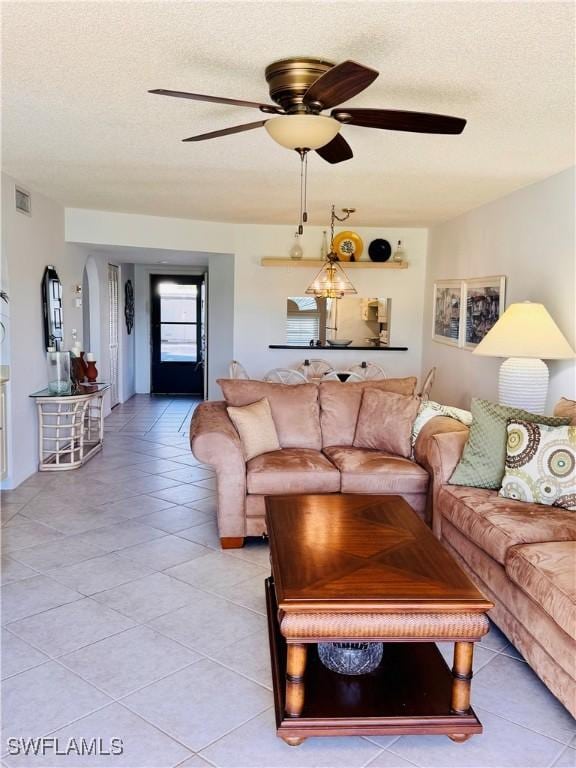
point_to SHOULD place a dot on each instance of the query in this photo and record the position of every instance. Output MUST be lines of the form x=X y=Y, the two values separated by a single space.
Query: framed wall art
x=447 y=312
x=483 y=304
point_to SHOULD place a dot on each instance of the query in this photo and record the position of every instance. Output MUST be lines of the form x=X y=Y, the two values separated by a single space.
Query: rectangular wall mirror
x=361 y=320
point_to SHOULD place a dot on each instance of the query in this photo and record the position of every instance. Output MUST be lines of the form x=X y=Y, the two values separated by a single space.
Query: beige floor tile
x=18 y=656
x=13 y=570
x=199 y=704
x=255 y=745
x=27 y=534
x=143 y=745
x=209 y=483
x=148 y=598
x=502 y=745
x=216 y=571
x=249 y=657
x=125 y=534
x=69 y=627
x=208 y=623
x=175 y=518
x=67 y=551
x=388 y=759
x=189 y=474
x=100 y=573
x=151 y=483
x=183 y=494
x=71 y=521
x=209 y=505
x=251 y=594
x=155 y=466
x=30 y=596
x=125 y=662
x=523 y=699
x=164 y=553
x=567 y=759
x=256 y=551
x=45 y=698
x=9 y=510
x=206 y=534
x=136 y=506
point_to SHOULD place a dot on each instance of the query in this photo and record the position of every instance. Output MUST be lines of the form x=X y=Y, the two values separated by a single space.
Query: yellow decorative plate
x=348 y=246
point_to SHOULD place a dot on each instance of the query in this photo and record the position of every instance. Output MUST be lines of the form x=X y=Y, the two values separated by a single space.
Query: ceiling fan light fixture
x=302 y=131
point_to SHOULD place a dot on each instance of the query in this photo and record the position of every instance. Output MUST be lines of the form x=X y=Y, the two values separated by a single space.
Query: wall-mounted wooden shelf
x=268 y=262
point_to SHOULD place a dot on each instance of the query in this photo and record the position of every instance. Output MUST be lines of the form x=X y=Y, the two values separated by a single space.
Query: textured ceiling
x=79 y=125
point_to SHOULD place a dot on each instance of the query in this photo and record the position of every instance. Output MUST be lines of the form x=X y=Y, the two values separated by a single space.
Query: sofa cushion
x=369 y=471
x=294 y=407
x=495 y=524
x=385 y=422
x=566 y=408
x=545 y=571
x=292 y=470
x=340 y=405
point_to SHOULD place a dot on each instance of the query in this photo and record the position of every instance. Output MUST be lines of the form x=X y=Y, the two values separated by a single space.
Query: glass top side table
x=71 y=426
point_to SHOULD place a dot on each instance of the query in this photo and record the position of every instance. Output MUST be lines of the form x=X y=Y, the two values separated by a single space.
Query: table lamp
x=525 y=334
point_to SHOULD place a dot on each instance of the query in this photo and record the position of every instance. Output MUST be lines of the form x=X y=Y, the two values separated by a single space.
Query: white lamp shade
x=302 y=131
x=525 y=330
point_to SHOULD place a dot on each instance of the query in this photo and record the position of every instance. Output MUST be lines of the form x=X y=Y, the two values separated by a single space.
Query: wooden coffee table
x=366 y=568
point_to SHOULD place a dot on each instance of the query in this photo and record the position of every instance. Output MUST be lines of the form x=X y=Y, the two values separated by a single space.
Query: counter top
x=328 y=348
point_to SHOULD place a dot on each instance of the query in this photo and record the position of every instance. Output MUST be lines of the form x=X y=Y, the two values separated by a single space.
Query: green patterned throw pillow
x=482 y=463
x=540 y=464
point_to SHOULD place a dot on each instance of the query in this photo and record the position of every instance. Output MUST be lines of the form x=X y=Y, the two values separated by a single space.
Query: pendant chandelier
x=332 y=282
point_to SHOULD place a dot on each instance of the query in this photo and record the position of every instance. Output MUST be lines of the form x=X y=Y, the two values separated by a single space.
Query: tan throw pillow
x=255 y=425
x=385 y=422
x=340 y=405
x=567 y=408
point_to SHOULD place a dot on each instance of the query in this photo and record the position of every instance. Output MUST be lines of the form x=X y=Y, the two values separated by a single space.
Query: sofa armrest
x=438 y=449
x=214 y=440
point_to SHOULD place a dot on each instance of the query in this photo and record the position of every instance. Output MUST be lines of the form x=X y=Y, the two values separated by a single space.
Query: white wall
x=127 y=340
x=29 y=244
x=529 y=237
x=260 y=293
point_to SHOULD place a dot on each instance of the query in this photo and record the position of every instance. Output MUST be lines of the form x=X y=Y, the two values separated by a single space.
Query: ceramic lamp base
x=523 y=383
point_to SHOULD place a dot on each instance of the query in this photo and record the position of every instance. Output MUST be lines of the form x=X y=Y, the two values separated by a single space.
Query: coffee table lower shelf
x=409 y=693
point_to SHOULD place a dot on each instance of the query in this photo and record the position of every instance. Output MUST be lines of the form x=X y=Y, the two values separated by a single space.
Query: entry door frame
x=114 y=332
x=198 y=279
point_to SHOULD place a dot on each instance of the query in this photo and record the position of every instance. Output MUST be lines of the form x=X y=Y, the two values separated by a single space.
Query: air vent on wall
x=23 y=201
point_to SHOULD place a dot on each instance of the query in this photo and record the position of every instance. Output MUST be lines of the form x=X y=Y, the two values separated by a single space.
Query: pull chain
x=305 y=214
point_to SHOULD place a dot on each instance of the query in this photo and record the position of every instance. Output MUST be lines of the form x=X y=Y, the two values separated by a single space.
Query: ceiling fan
x=302 y=88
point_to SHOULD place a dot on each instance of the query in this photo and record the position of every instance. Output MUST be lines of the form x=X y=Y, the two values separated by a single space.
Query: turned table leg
x=462 y=675
x=295 y=668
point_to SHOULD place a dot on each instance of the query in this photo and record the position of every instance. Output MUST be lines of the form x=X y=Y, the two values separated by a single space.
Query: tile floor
x=122 y=618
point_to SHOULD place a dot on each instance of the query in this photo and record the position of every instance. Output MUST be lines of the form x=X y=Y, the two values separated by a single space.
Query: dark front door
x=177 y=334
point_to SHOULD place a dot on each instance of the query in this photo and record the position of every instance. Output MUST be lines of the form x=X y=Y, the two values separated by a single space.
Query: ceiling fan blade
x=226 y=131
x=400 y=120
x=339 y=84
x=270 y=108
x=336 y=151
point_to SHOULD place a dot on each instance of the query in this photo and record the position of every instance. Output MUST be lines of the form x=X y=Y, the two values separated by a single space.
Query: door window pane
x=177 y=302
x=178 y=343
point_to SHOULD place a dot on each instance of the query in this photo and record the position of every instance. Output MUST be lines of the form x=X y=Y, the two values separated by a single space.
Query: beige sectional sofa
x=521 y=555
x=316 y=424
